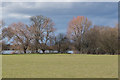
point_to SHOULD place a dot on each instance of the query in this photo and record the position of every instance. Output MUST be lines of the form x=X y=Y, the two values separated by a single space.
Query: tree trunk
x=24 y=51
x=43 y=51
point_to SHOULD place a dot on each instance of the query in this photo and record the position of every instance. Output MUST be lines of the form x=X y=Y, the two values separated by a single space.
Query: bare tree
x=42 y=29
x=109 y=39
x=101 y=40
x=77 y=29
x=92 y=40
x=20 y=35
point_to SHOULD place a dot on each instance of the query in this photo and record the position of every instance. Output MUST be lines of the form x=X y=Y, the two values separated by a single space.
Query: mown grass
x=60 y=66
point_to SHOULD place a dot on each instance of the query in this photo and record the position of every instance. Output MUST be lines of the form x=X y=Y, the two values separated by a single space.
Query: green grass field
x=60 y=66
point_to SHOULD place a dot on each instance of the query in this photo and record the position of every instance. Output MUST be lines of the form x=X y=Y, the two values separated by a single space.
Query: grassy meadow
x=59 y=66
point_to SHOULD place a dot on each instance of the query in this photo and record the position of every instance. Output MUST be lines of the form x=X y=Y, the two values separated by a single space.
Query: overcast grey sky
x=100 y=13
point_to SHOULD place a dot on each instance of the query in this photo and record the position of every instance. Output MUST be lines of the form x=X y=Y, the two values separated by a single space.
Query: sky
x=100 y=13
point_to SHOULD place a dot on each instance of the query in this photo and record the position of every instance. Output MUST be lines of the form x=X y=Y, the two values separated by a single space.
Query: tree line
x=82 y=37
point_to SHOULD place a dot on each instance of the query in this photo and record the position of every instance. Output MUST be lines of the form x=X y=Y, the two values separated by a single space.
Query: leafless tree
x=42 y=29
x=77 y=29
x=20 y=35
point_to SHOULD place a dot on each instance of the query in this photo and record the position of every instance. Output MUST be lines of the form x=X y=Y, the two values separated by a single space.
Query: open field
x=60 y=66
